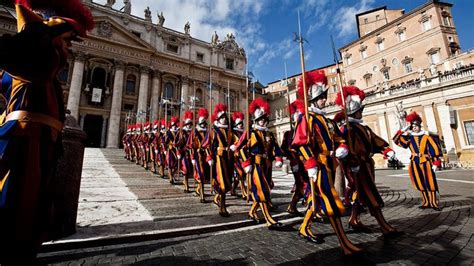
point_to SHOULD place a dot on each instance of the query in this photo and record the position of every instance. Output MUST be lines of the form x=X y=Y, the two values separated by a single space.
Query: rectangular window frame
x=169 y=47
x=469 y=141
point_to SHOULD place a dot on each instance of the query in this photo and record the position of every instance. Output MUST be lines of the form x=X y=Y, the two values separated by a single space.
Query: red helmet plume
x=203 y=114
x=237 y=117
x=316 y=84
x=353 y=97
x=258 y=108
x=414 y=118
x=174 y=121
x=188 y=117
x=220 y=110
x=297 y=105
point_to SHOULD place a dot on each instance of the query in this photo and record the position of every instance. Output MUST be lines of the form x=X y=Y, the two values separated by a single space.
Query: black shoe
x=393 y=233
x=224 y=214
x=436 y=209
x=202 y=200
x=360 y=228
x=275 y=226
x=256 y=220
x=423 y=207
x=315 y=239
x=295 y=213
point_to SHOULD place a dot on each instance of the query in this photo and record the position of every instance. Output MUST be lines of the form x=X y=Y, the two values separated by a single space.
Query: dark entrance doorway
x=93 y=128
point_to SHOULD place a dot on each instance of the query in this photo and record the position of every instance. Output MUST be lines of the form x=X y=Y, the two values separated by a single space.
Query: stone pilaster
x=116 y=108
x=104 y=130
x=445 y=121
x=155 y=95
x=74 y=97
x=143 y=94
x=430 y=123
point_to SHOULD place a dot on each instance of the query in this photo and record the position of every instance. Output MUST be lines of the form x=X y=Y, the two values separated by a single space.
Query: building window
x=366 y=20
x=200 y=98
x=168 y=93
x=386 y=75
x=434 y=58
x=426 y=25
x=229 y=63
x=130 y=84
x=402 y=36
x=469 y=128
x=128 y=107
x=377 y=17
x=349 y=59
x=408 y=68
x=334 y=88
x=172 y=48
x=446 y=21
x=136 y=33
x=363 y=54
x=380 y=46
x=200 y=57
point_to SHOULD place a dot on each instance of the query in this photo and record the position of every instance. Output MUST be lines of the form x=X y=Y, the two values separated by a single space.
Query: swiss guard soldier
x=160 y=149
x=133 y=147
x=126 y=142
x=222 y=156
x=31 y=124
x=423 y=163
x=363 y=144
x=319 y=142
x=146 y=144
x=184 y=152
x=201 y=158
x=239 y=155
x=172 y=138
x=301 y=189
x=263 y=150
x=153 y=146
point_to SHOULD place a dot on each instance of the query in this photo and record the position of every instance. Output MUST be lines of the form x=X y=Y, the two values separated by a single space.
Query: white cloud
x=344 y=20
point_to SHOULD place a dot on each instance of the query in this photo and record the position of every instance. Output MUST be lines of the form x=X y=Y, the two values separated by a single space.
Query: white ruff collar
x=239 y=129
x=219 y=125
x=199 y=128
x=354 y=120
x=422 y=132
x=315 y=109
x=174 y=130
x=260 y=128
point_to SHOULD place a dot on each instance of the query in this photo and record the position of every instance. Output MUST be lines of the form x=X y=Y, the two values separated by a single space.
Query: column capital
x=120 y=64
x=144 y=69
x=185 y=80
x=156 y=73
x=79 y=55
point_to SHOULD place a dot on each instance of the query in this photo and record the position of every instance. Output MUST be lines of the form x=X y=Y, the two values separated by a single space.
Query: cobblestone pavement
x=430 y=237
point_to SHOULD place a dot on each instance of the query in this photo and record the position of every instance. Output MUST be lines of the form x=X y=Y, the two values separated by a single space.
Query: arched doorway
x=93 y=129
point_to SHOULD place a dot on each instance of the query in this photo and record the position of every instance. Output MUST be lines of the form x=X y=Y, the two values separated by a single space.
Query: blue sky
x=265 y=27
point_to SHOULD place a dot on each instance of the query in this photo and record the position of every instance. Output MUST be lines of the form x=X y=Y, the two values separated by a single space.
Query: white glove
x=165 y=153
x=210 y=162
x=248 y=169
x=355 y=169
x=278 y=164
x=342 y=152
x=233 y=147
x=193 y=162
x=179 y=156
x=435 y=168
x=295 y=168
x=405 y=129
x=313 y=173
x=391 y=155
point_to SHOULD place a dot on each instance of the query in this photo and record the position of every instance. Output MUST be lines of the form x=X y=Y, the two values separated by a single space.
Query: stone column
x=184 y=92
x=430 y=123
x=74 y=97
x=116 y=108
x=155 y=95
x=83 y=117
x=143 y=94
x=445 y=121
x=383 y=128
x=104 y=129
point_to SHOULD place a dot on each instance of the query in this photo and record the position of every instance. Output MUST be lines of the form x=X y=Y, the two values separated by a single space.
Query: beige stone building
x=131 y=70
x=409 y=62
